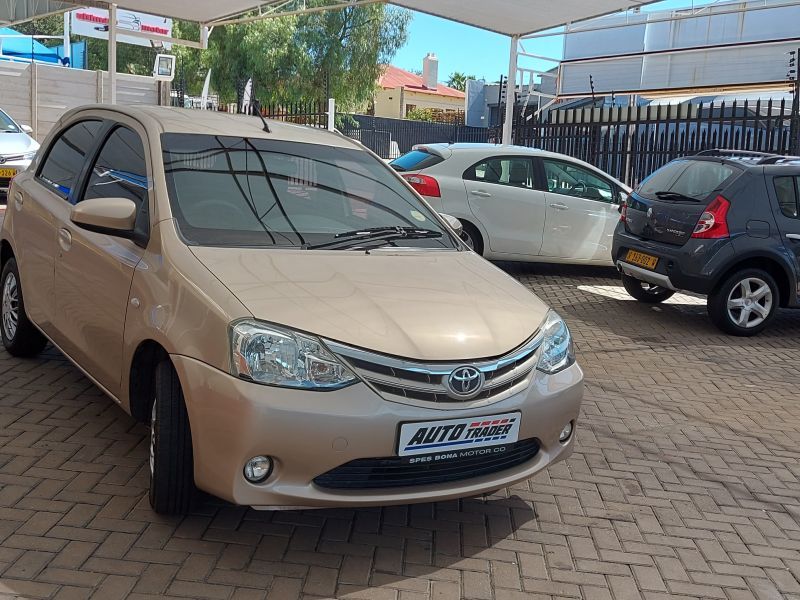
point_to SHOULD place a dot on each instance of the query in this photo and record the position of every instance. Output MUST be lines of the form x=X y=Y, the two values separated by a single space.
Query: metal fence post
x=331 y=114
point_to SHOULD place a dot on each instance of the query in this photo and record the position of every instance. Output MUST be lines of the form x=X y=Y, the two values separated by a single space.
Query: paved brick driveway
x=684 y=484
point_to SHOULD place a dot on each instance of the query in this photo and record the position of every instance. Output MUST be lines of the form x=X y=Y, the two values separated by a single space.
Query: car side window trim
x=78 y=181
x=469 y=172
x=143 y=212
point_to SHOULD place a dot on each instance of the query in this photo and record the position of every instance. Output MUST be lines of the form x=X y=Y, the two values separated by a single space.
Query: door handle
x=481 y=194
x=64 y=239
x=559 y=206
x=793 y=236
x=19 y=200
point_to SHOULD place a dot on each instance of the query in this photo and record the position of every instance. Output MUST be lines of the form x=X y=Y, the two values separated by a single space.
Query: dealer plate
x=474 y=432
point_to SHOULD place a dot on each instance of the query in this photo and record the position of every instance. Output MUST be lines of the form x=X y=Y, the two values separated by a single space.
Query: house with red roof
x=400 y=91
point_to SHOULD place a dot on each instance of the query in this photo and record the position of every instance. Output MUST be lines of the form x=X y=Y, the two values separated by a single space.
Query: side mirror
x=454 y=223
x=113 y=216
x=27 y=129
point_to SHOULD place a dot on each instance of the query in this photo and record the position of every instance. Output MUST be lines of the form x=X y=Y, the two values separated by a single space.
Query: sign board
x=164 y=67
x=93 y=22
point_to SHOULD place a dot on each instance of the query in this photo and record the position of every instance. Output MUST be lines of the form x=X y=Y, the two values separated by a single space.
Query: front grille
x=377 y=473
x=403 y=379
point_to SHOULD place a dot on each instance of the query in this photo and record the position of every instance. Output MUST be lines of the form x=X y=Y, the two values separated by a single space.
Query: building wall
x=394 y=103
x=388 y=103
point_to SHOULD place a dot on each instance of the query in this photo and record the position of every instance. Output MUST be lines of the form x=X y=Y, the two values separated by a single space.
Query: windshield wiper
x=675 y=196
x=349 y=239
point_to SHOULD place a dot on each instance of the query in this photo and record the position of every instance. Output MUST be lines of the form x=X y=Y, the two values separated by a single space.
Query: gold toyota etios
x=297 y=325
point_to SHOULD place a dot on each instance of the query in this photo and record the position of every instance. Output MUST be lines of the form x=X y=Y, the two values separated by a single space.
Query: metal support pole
x=511 y=88
x=67 y=44
x=112 y=52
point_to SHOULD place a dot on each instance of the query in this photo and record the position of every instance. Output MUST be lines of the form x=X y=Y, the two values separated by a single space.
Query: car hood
x=424 y=305
x=17 y=143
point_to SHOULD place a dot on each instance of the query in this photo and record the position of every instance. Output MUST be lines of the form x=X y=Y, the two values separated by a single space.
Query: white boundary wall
x=38 y=94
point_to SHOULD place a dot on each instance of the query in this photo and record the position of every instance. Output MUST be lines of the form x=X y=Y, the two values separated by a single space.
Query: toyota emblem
x=2 y=160
x=465 y=383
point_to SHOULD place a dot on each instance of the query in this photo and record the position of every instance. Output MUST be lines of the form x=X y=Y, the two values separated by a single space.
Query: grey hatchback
x=721 y=223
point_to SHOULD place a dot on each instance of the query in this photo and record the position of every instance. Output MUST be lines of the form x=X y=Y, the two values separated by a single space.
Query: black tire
x=756 y=315
x=645 y=292
x=472 y=237
x=20 y=336
x=171 y=460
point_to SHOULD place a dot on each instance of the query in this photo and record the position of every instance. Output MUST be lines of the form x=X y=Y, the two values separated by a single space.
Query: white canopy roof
x=508 y=17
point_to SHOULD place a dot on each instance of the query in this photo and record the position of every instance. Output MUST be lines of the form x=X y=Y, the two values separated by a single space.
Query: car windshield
x=7 y=124
x=255 y=192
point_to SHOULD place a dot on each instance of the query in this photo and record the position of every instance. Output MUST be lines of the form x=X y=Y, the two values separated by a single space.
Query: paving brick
x=683 y=483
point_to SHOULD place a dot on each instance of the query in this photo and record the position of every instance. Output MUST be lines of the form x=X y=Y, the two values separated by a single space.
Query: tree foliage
x=459 y=80
x=336 y=54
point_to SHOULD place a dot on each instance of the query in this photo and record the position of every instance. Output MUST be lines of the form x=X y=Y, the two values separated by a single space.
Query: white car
x=520 y=203
x=17 y=149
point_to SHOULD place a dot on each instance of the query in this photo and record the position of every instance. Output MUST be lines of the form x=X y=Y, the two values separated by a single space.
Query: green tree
x=337 y=53
x=459 y=80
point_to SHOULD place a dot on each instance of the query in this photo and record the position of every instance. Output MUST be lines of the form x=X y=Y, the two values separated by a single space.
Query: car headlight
x=273 y=355
x=29 y=155
x=557 y=351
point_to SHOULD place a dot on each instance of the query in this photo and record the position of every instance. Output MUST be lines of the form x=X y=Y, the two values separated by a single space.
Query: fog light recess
x=566 y=433
x=258 y=469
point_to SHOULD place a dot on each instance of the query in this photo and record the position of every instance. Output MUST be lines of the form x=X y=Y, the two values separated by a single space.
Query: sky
x=481 y=53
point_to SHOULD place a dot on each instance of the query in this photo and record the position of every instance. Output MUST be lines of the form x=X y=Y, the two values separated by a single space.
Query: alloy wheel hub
x=10 y=307
x=750 y=302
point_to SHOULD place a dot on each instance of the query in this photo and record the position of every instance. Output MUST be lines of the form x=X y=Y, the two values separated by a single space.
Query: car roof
x=210 y=122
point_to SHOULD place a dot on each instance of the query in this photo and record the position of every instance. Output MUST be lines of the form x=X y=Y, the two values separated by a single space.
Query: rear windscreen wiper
x=675 y=196
x=375 y=234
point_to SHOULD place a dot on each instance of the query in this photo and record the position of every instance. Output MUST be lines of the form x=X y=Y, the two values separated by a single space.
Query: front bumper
x=310 y=433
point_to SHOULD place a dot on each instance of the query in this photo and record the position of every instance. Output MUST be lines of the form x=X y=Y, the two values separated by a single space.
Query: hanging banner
x=93 y=22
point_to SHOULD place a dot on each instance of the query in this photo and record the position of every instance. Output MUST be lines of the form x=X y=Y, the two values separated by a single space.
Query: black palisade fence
x=631 y=142
x=313 y=114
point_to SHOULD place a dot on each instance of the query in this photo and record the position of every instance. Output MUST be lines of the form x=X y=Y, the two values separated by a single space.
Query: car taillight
x=713 y=223
x=425 y=185
x=623 y=212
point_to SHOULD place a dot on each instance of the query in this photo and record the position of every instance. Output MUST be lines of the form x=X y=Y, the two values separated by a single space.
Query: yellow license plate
x=641 y=259
x=8 y=173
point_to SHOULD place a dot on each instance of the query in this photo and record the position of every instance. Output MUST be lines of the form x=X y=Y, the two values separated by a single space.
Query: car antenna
x=257 y=107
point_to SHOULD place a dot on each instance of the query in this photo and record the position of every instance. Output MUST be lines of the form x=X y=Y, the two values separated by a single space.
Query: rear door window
x=416 y=160
x=515 y=171
x=786 y=190
x=65 y=159
x=696 y=179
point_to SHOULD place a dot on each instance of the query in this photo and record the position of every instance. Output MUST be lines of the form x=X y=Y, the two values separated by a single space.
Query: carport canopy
x=514 y=18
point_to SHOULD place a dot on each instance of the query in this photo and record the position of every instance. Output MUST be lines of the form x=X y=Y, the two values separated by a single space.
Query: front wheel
x=171 y=459
x=745 y=303
x=645 y=292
